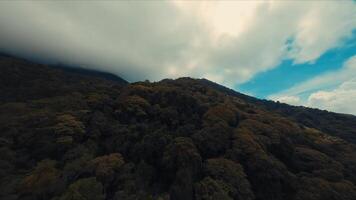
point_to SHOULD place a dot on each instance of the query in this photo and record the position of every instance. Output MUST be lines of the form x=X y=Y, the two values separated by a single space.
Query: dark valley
x=74 y=134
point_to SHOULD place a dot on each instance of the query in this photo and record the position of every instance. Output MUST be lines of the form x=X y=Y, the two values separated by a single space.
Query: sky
x=297 y=52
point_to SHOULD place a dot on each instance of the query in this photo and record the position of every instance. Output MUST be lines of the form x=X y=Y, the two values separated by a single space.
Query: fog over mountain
x=228 y=42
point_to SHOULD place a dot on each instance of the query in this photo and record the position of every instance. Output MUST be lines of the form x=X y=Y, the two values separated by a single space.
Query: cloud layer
x=334 y=91
x=228 y=42
x=341 y=99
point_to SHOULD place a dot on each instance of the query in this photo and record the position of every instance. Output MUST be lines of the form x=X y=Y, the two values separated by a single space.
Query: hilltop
x=68 y=134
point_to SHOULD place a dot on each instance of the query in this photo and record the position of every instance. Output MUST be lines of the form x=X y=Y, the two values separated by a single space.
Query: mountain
x=335 y=124
x=69 y=134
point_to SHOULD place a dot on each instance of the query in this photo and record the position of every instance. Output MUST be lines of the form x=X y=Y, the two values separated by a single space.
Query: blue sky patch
x=288 y=74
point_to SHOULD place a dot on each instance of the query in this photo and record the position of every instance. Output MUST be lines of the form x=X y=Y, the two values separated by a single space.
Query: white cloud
x=228 y=41
x=339 y=99
x=292 y=100
x=321 y=28
x=327 y=80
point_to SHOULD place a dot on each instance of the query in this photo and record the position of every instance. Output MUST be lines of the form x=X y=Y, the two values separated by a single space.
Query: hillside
x=74 y=135
x=335 y=124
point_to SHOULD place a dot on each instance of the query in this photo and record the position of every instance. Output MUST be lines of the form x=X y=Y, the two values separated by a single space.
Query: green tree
x=84 y=189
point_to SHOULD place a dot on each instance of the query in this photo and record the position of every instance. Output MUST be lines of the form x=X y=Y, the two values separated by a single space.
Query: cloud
x=292 y=100
x=321 y=28
x=327 y=80
x=137 y=39
x=227 y=41
x=340 y=98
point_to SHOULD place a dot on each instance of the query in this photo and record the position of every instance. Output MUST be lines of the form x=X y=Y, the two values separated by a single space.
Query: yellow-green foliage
x=310 y=160
x=68 y=125
x=180 y=139
x=95 y=98
x=285 y=126
x=41 y=179
x=209 y=189
x=105 y=166
x=182 y=154
x=84 y=189
x=221 y=113
x=317 y=188
x=135 y=105
x=71 y=101
x=140 y=89
x=245 y=142
x=133 y=101
x=230 y=176
x=320 y=137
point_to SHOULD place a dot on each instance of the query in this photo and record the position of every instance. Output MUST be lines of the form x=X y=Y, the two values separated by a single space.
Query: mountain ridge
x=70 y=136
x=301 y=114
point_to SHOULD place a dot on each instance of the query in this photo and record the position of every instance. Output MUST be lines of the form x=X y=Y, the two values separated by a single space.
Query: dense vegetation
x=335 y=124
x=69 y=136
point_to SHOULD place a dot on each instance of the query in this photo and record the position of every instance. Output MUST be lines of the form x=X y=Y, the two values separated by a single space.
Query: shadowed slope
x=69 y=136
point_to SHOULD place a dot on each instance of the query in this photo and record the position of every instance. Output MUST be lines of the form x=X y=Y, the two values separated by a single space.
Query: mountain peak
x=72 y=133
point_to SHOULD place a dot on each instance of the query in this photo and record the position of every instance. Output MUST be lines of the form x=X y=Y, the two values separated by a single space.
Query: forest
x=70 y=135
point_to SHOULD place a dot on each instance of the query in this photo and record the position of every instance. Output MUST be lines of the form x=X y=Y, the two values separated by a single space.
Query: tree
x=105 y=166
x=230 y=176
x=84 y=189
x=43 y=181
